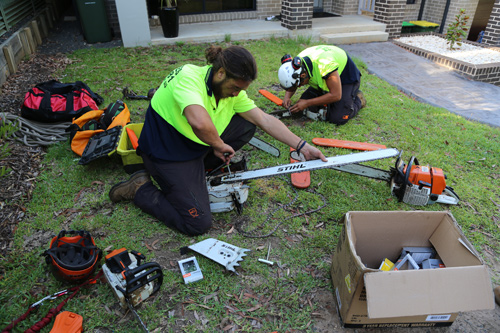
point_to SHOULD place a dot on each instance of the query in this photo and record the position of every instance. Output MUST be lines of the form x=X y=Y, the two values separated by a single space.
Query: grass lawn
x=261 y=298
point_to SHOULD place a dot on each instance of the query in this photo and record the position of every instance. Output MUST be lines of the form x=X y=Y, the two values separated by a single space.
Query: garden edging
x=24 y=42
x=488 y=73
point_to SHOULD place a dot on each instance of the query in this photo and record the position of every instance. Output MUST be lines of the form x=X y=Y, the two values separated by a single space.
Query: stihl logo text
x=295 y=166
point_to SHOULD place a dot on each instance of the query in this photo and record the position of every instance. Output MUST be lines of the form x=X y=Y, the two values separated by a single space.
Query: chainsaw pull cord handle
x=52 y=312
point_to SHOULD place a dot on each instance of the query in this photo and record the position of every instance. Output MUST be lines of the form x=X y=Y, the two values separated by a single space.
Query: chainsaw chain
x=251 y=234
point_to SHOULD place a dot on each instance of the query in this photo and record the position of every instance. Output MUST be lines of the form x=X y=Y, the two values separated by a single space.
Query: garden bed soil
x=488 y=73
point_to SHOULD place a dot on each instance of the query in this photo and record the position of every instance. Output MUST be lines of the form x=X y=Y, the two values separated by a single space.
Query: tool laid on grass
x=413 y=184
x=347 y=144
x=266 y=261
x=221 y=252
x=264 y=146
x=131 y=281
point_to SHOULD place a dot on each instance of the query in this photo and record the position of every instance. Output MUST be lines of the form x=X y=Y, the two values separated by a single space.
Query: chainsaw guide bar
x=333 y=161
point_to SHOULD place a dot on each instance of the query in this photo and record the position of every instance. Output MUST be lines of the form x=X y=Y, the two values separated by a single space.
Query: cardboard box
x=368 y=297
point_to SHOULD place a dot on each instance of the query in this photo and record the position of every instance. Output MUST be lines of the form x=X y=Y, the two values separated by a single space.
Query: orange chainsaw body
x=424 y=176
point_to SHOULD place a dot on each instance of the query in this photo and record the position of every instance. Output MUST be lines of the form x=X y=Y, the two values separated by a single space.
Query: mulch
x=16 y=187
x=24 y=162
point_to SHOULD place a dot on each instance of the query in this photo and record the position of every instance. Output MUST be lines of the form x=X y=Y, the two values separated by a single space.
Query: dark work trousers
x=182 y=200
x=339 y=112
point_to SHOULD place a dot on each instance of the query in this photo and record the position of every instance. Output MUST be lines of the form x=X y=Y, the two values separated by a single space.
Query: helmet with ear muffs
x=289 y=72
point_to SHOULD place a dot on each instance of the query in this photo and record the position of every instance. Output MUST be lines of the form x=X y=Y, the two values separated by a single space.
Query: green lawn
x=260 y=298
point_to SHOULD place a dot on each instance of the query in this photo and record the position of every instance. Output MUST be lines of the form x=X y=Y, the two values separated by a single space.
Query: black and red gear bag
x=53 y=101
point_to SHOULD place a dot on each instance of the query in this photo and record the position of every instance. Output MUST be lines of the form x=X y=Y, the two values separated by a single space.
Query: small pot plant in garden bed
x=475 y=61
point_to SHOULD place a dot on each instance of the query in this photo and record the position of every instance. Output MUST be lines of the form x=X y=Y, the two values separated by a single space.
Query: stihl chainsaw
x=413 y=184
x=131 y=281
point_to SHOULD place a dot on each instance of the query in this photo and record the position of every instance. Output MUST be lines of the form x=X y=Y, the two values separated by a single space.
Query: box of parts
x=368 y=297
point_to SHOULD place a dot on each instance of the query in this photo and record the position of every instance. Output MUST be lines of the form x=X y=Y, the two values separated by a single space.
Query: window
x=214 y=6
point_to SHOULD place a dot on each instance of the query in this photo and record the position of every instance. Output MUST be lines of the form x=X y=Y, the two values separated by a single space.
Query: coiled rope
x=33 y=133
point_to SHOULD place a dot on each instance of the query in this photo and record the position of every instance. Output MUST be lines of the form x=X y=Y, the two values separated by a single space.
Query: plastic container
x=407 y=27
x=94 y=21
x=424 y=26
x=131 y=161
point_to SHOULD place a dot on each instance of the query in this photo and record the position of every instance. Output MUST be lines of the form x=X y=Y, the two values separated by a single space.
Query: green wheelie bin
x=94 y=21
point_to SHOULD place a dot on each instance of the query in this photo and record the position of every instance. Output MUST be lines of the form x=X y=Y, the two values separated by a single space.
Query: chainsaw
x=413 y=184
x=131 y=281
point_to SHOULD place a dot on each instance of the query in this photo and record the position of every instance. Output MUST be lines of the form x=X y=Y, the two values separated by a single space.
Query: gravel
x=468 y=53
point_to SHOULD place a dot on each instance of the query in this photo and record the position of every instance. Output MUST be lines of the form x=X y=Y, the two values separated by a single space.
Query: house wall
x=343 y=7
x=411 y=11
x=492 y=32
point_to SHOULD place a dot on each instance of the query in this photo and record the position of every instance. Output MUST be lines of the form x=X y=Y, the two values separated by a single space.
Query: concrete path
x=430 y=83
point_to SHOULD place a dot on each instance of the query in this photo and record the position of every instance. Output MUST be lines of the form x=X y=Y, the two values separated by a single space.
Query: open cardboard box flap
x=408 y=293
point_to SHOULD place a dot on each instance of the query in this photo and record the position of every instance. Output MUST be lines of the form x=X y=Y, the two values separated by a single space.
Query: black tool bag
x=53 y=101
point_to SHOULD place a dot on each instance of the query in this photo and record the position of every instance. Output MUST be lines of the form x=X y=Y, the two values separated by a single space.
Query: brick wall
x=266 y=8
x=411 y=11
x=433 y=11
x=492 y=31
x=113 y=18
x=344 y=7
x=455 y=6
x=328 y=5
x=390 y=12
x=296 y=14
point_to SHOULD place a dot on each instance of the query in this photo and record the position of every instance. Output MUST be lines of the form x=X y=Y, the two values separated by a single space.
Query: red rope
x=52 y=312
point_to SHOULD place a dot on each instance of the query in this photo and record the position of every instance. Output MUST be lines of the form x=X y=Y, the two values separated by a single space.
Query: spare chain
x=251 y=233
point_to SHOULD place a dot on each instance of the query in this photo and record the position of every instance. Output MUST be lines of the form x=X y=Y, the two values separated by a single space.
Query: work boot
x=126 y=190
x=497 y=294
x=361 y=96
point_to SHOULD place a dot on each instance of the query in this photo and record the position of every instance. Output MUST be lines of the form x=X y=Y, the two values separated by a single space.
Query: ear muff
x=286 y=58
x=296 y=63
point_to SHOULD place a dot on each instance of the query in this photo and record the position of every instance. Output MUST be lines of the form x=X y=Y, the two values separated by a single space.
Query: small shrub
x=457 y=30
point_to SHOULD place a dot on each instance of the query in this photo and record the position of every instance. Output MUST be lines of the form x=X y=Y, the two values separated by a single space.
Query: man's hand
x=312 y=153
x=225 y=152
x=299 y=106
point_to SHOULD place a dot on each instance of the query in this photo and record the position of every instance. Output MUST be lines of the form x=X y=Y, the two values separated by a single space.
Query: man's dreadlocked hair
x=237 y=62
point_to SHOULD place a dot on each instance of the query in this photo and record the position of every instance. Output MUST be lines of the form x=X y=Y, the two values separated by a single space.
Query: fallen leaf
x=230 y=230
x=258 y=306
x=153 y=244
x=227 y=328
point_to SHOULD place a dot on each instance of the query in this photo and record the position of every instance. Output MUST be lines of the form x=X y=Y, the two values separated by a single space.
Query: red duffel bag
x=53 y=101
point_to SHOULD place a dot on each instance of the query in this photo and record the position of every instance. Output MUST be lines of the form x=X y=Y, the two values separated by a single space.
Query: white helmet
x=289 y=76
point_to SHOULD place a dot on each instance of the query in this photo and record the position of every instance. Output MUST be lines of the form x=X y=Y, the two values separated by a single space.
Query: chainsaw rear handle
x=413 y=159
x=135 y=282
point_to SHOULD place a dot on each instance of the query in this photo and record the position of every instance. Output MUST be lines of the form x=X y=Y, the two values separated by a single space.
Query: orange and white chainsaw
x=413 y=184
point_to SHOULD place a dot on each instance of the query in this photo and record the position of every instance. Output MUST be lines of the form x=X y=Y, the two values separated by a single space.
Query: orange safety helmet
x=73 y=256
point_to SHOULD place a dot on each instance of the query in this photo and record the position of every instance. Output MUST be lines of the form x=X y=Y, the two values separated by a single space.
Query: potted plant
x=169 y=18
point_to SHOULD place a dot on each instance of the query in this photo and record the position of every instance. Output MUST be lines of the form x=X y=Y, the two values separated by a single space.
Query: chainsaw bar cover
x=221 y=252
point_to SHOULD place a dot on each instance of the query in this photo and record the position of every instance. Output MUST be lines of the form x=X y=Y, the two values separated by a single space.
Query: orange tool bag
x=107 y=122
